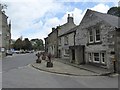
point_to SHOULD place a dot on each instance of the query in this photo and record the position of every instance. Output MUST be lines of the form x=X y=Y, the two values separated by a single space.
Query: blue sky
x=35 y=18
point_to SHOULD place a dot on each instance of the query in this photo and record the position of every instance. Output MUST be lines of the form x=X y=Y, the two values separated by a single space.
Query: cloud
x=24 y=14
x=101 y=8
x=35 y=18
x=87 y=0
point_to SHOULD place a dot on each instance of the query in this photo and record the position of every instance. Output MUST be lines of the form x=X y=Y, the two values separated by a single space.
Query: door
x=59 y=53
x=73 y=55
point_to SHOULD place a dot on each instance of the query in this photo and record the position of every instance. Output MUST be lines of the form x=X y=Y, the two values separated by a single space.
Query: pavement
x=67 y=68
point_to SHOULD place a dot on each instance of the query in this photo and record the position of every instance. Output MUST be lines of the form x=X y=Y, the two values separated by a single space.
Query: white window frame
x=96 y=37
x=94 y=58
x=102 y=57
x=90 y=57
x=90 y=36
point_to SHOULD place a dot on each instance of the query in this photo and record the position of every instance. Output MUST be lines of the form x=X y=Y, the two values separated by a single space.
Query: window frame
x=96 y=35
x=90 y=60
x=66 y=53
x=103 y=57
x=94 y=57
x=92 y=35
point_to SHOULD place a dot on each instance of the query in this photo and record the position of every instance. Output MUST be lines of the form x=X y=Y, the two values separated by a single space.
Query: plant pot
x=49 y=64
x=38 y=61
x=43 y=57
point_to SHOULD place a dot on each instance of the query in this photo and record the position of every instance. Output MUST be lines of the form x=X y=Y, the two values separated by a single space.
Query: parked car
x=9 y=52
x=16 y=52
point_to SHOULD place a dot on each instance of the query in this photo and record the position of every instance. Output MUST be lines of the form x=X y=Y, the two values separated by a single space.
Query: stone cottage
x=95 y=40
x=51 y=42
x=64 y=40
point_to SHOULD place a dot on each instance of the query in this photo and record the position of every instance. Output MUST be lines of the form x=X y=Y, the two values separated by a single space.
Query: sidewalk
x=62 y=67
x=91 y=68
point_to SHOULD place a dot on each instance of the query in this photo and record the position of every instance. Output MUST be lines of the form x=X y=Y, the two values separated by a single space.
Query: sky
x=35 y=18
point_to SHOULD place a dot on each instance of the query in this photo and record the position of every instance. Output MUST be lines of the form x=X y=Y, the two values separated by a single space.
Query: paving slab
x=61 y=68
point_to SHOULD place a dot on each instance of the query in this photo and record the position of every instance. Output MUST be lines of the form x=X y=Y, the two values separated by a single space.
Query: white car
x=9 y=52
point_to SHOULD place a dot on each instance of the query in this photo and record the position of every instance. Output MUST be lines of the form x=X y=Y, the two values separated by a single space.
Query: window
x=59 y=41
x=91 y=36
x=103 y=58
x=66 y=51
x=90 y=57
x=66 y=40
x=96 y=57
x=97 y=35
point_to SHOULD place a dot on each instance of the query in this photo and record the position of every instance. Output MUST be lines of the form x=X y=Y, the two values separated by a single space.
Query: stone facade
x=117 y=48
x=65 y=38
x=51 y=42
x=96 y=33
x=5 y=34
x=94 y=41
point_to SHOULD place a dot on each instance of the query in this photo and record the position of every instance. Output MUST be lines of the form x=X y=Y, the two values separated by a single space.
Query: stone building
x=117 y=47
x=65 y=37
x=5 y=33
x=95 y=40
x=51 y=42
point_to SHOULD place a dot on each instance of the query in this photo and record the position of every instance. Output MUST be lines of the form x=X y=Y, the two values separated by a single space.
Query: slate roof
x=111 y=19
x=70 y=31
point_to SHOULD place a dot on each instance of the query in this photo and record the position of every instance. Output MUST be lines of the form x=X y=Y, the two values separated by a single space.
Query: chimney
x=53 y=29
x=70 y=19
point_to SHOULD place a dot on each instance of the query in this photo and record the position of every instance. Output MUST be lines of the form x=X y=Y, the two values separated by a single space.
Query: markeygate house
x=95 y=41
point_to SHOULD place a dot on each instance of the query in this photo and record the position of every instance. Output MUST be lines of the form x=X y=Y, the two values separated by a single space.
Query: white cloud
x=23 y=14
x=101 y=8
x=88 y=0
x=39 y=16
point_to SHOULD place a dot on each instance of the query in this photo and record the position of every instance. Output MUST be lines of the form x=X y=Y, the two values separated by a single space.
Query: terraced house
x=51 y=42
x=95 y=40
x=66 y=37
x=5 y=33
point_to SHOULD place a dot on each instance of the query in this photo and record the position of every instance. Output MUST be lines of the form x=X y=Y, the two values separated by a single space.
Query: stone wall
x=62 y=47
x=53 y=43
x=5 y=29
x=107 y=38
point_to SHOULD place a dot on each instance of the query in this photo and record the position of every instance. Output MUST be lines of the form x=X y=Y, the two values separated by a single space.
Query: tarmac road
x=17 y=73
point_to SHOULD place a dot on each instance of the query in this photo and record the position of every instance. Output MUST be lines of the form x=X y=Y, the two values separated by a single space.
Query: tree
x=18 y=44
x=37 y=44
x=114 y=11
x=27 y=44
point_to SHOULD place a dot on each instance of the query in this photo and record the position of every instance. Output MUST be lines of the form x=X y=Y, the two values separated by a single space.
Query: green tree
x=37 y=44
x=27 y=44
x=18 y=44
x=114 y=11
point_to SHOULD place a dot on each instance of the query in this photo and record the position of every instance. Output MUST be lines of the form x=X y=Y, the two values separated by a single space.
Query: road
x=17 y=73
